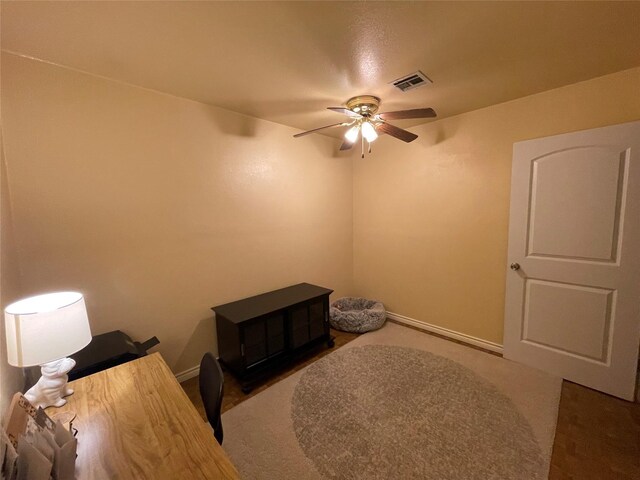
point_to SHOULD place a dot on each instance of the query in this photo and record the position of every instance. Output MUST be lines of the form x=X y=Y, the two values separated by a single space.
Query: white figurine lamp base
x=52 y=387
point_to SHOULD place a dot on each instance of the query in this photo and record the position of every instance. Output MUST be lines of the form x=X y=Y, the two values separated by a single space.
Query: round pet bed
x=357 y=315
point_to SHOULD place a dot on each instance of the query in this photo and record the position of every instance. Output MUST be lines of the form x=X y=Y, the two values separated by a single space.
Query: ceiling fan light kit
x=352 y=134
x=369 y=131
x=363 y=118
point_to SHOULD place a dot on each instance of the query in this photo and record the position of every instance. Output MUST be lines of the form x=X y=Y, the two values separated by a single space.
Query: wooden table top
x=134 y=421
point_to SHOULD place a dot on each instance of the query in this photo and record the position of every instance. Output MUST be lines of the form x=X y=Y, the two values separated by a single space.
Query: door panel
x=553 y=310
x=573 y=305
x=575 y=195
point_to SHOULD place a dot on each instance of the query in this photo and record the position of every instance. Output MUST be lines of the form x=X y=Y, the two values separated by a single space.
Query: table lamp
x=43 y=330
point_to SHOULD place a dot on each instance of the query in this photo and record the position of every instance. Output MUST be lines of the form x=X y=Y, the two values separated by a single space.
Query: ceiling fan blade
x=396 y=132
x=319 y=128
x=346 y=145
x=402 y=114
x=345 y=111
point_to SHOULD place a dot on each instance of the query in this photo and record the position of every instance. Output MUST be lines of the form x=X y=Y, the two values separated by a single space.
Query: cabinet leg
x=246 y=389
x=331 y=343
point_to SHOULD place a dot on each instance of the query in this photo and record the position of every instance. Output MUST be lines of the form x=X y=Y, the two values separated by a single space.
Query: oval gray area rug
x=385 y=412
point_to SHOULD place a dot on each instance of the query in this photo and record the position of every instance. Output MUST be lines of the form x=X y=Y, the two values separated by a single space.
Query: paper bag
x=32 y=465
x=64 y=453
x=9 y=460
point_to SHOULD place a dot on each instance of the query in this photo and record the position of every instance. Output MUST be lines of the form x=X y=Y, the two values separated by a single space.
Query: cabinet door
x=299 y=326
x=275 y=334
x=316 y=319
x=229 y=341
x=255 y=345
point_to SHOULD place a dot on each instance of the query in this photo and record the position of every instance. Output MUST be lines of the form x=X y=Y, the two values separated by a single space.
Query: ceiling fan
x=363 y=119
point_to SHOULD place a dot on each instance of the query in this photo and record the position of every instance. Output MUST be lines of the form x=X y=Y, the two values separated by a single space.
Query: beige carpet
x=399 y=404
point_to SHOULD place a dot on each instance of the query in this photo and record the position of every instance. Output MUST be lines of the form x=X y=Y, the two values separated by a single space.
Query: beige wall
x=11 y=378
x=158 y=208
x=431 y=217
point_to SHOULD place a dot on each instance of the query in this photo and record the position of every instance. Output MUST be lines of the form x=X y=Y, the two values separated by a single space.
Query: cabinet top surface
x=269 y=302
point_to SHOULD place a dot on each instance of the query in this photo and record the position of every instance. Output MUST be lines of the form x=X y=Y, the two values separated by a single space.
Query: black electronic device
x=108 y=350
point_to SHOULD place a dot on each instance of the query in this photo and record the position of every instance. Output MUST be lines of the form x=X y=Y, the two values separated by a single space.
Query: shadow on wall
x=202 y=340
x=437 y=134
x=239 y=125
x=31 y=376
x=314 y=107
x=232 y=123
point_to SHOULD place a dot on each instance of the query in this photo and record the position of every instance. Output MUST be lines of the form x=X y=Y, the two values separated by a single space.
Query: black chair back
x=211 y=391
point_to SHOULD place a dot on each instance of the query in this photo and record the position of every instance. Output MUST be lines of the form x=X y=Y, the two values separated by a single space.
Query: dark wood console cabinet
x=258 y=334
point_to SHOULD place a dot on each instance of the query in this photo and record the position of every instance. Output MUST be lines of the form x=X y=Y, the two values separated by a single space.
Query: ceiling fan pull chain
x=362 y=145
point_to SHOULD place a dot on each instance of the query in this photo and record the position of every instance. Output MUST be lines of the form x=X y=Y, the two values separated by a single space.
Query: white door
x=573 y=279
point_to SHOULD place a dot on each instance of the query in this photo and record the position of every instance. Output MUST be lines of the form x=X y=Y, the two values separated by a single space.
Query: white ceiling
x=287 y=61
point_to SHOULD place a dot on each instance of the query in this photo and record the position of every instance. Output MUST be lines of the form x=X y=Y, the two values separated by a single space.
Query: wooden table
x=136 y=422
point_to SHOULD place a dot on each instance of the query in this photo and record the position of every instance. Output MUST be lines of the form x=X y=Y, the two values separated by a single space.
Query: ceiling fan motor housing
x=364 y=105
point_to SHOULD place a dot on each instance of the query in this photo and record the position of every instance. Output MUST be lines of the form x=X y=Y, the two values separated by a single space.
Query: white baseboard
x=463 y=337
x=187 y=374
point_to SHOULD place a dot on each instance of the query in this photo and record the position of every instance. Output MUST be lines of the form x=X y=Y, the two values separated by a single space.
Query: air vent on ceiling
x=414 y=80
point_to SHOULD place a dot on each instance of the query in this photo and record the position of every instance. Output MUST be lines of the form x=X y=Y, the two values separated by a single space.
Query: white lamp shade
x=352 y=134
x=45 y=328
x=369 y=132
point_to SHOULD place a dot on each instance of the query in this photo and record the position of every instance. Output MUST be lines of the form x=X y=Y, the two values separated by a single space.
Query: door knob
x=515 y=266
